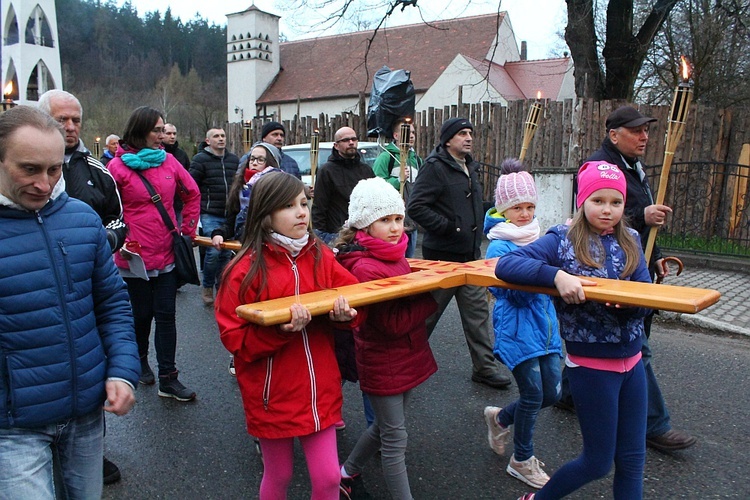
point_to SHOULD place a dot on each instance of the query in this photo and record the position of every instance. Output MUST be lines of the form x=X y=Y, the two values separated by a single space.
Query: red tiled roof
x=333 y=66
x=499 y=78
x=545 y=75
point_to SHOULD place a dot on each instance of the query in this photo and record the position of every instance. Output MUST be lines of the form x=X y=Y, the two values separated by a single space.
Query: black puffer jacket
x=448 y=204
x=214 y=175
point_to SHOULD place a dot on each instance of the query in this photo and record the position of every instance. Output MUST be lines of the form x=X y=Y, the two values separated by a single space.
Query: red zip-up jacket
x=290 y=382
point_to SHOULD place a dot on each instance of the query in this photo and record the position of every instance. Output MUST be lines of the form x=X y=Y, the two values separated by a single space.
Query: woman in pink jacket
x=153 y=292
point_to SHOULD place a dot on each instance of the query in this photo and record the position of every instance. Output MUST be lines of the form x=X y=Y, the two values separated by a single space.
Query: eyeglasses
x=158 y=130
x=259 y=159
x=348 y=139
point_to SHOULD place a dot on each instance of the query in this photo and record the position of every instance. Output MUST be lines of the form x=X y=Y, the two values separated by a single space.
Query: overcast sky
x=536 y=21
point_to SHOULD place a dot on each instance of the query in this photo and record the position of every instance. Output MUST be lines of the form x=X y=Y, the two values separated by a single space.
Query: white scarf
x=521 y=236
x=294 y=246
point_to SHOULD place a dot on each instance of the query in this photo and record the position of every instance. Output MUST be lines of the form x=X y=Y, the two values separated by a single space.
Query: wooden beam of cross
x=430 y=275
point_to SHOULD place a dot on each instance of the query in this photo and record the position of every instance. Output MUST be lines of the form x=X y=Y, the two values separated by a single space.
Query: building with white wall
x=30 y=58
x=477 y=57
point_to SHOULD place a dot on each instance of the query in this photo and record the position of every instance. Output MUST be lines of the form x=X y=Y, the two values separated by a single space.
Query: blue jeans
x=611 y=409
x=412 y=244
x=215 y=260
x=151 y=300
x=74 y=446
x=538 y=382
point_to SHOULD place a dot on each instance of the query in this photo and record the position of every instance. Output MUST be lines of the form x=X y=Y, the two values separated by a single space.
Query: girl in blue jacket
x=603 y=341
x=527 y=338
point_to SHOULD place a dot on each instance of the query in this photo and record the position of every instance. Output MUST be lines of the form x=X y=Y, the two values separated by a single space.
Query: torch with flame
x=404 y=144
x=7 y=93
x=97 y=148
x=529 y=127
x=678 y=114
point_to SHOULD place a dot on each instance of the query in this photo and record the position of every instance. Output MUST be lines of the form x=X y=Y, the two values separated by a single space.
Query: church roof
x=334 y=66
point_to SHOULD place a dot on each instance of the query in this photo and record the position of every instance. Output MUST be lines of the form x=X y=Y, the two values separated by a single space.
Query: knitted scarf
x=144 y=159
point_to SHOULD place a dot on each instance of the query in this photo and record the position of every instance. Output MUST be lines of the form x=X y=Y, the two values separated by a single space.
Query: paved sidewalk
x=731 y=313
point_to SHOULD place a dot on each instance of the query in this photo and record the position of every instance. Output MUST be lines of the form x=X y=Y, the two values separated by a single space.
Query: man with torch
x=389 y=166
x=625 y=142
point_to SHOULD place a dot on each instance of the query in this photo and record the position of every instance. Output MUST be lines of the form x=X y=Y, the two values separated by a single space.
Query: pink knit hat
x=513 y=189
x=595 y=175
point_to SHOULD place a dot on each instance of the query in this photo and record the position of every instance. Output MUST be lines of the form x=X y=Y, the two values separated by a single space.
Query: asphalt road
x=201 y=450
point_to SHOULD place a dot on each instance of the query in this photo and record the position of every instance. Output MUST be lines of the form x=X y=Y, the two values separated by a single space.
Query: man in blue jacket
x=67 y=344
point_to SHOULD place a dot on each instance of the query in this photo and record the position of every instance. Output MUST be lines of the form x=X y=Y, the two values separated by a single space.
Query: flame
x=538 y=94
x=407 y=120
x=98 y=139
x=316 y=131
x=8 y=89
x=685 y=65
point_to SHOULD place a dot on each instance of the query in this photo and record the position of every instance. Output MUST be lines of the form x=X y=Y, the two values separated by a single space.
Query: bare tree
x=713 y=34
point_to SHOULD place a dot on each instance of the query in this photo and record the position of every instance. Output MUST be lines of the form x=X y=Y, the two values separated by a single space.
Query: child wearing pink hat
x=527 y=338
x=603 y=341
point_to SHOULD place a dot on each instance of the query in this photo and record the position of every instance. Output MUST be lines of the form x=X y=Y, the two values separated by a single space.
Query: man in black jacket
x=625 y=143
x=334 y=182
x=88 y=180
x=446 y=201
x=172 y=147
x=213 y=169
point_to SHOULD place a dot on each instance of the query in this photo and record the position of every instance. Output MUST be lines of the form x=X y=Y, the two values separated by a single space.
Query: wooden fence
x=568 y=132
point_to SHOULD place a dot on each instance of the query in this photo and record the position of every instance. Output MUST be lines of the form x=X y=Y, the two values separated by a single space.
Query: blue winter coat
x=525 y=323
x=65 y=319
x=590 y=329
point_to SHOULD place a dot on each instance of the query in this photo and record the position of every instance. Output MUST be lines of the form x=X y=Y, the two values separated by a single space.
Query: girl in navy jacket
x=603 y=341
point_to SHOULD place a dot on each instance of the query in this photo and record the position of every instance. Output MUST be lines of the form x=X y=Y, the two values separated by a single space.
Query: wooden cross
x=430 y=275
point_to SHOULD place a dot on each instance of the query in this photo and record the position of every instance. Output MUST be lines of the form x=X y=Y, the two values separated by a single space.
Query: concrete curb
x=704 y=322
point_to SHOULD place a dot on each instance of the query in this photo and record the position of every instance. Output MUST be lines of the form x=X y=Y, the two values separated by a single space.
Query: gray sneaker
x=529 y=471
x=172 y=388
x=496 y=434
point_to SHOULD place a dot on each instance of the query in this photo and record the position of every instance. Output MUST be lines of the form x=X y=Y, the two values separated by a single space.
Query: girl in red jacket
x=392 y=353
x=288 y=377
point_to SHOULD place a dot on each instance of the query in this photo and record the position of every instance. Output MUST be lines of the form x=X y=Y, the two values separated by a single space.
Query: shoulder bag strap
x=156 y=198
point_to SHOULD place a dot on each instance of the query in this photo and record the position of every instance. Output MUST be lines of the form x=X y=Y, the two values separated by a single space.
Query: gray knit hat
x=372 y=199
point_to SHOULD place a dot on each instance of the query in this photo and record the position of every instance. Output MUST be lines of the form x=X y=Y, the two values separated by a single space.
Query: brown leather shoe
x=672 y=440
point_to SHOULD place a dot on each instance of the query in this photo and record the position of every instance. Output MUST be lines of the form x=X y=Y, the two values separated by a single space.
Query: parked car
x=301 y=153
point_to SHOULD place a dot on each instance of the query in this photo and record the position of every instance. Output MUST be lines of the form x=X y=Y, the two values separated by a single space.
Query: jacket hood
x=492 y=218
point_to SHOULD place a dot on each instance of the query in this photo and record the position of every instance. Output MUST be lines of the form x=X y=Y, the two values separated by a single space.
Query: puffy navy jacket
x=65 y=320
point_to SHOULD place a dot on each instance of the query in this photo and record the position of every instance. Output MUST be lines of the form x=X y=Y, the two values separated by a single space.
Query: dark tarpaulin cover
x=392 y=98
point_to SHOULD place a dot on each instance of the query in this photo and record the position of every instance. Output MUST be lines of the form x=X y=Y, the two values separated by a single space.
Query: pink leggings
x=322 y=463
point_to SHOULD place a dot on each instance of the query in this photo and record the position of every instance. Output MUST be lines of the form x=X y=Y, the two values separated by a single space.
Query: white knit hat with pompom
x=372 y=199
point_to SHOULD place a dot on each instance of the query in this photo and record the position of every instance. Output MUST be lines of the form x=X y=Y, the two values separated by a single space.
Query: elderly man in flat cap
x=625 y=143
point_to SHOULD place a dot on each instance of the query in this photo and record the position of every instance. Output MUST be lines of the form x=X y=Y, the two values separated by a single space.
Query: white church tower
x=252 y=59
x=30 y=49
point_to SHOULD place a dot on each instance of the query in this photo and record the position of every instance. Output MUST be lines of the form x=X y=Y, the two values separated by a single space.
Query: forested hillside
x=115 y=61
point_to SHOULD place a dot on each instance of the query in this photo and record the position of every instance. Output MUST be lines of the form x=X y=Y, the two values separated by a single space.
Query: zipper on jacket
x=267 y=383
x=9 y=395
x=64 y=312
x=308 y=353
x=66 y=264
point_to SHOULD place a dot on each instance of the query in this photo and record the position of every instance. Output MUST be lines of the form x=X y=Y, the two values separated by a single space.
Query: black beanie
x=270 y=127
x=452 y=127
